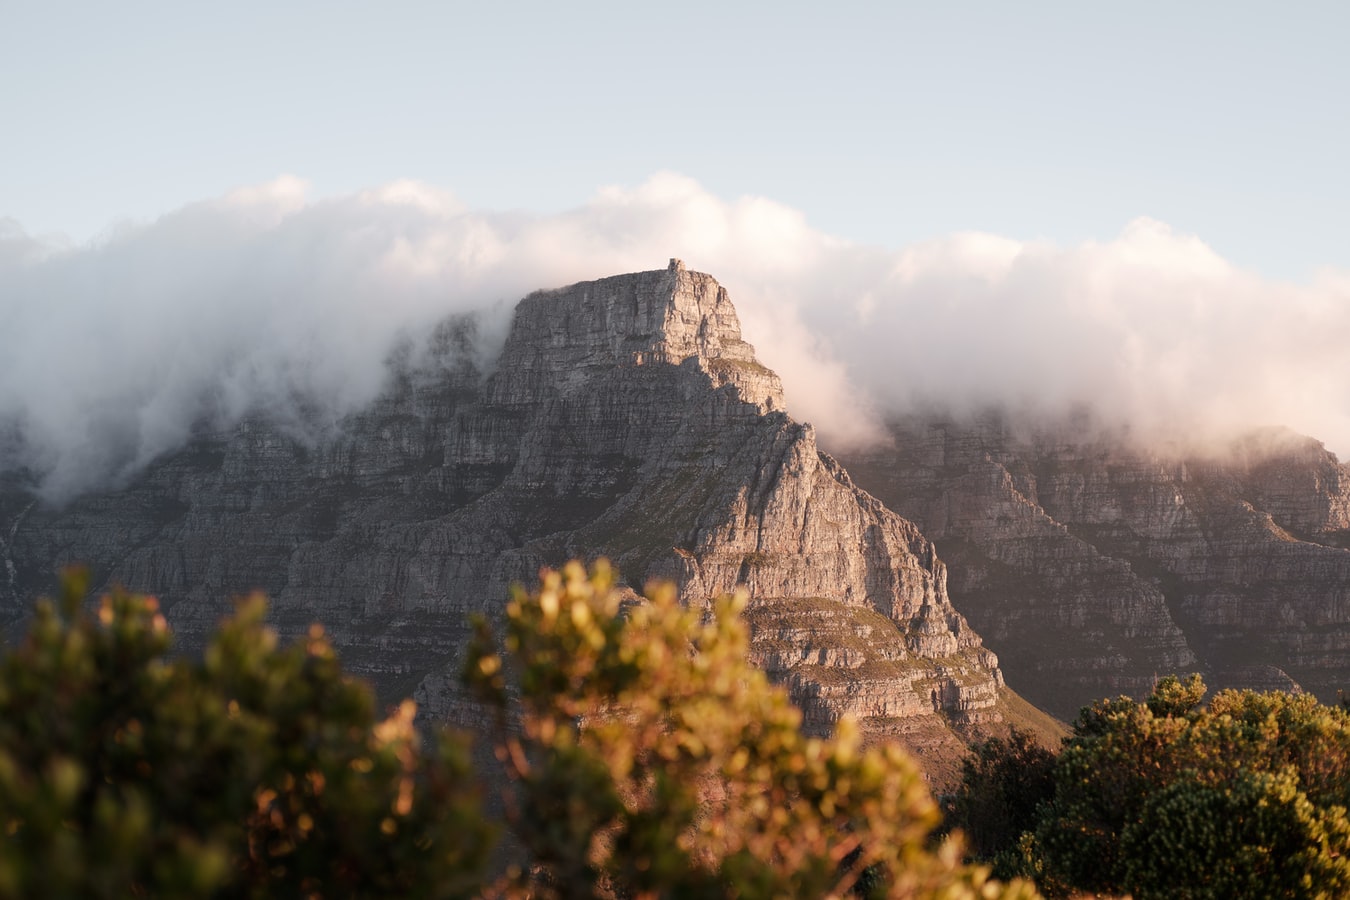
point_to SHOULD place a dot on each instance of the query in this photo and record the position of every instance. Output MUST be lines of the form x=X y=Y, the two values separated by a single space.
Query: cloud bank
x=264 y=299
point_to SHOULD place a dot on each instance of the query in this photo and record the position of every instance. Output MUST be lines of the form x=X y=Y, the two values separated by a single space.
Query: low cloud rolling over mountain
x=266 y=299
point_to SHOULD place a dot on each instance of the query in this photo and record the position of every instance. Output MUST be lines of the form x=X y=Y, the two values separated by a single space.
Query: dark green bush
x=1003 y=783
x=1244 y=798
x=1258 y=836
x=256 y=772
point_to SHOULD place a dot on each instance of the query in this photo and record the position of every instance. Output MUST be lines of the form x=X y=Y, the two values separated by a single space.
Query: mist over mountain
x=111 y=353
x=626 y=418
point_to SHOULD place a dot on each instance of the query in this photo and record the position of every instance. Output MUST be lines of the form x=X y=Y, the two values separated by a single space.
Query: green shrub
x=1165 y=798
x=1258 y=836
x=644 y=757
x=255 y=772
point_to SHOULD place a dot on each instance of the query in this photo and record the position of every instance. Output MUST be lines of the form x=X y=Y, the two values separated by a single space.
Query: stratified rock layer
x=625 y=417
x=1093 y=568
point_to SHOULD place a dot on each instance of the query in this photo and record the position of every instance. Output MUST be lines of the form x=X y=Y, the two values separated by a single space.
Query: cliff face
x=625 y=417
x=1092 y=568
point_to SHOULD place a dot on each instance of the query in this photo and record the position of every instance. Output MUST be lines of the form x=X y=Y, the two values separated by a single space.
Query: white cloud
x=1152 y=330
x=109 y=352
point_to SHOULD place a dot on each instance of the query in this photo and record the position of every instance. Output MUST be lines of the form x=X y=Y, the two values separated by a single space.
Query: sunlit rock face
x=624 y=417
x=1093 y=568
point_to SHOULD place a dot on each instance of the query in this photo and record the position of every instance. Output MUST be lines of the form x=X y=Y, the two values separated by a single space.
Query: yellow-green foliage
x=1245 y=798
x=650 y=759
x=646 y=758
x=256 y=772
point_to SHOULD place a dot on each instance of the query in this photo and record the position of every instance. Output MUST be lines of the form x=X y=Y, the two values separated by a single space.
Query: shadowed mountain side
x=625 y=417
x=1093 y=568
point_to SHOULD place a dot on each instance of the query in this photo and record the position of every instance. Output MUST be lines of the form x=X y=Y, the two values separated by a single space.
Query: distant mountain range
x=1094 y=567
x=626 y=417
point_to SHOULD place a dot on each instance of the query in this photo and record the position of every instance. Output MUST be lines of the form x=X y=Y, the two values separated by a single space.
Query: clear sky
x=883 y=123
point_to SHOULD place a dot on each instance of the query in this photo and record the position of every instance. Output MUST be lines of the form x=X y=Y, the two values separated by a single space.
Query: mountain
x=624 y=417
x=1094 y=567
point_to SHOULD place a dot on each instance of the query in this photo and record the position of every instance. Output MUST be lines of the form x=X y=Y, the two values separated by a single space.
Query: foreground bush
x=649 y=758
x=1168 y=798
x=256 y=772
x=645 y=758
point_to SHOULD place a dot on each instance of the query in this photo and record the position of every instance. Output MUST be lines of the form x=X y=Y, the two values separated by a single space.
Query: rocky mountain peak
x=666 y=316
x=626 y=417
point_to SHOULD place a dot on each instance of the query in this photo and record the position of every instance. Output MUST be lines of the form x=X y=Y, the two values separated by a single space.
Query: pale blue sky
x=883 y=123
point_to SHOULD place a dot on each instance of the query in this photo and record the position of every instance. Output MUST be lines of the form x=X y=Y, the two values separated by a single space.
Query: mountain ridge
x=1135 y=563
x=626 y=417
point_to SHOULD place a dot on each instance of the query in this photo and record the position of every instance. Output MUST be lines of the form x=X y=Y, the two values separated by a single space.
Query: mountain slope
x=1094 y=568
x=624 y=417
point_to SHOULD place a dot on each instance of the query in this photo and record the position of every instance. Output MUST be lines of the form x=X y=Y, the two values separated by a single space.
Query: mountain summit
x=625 y=417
